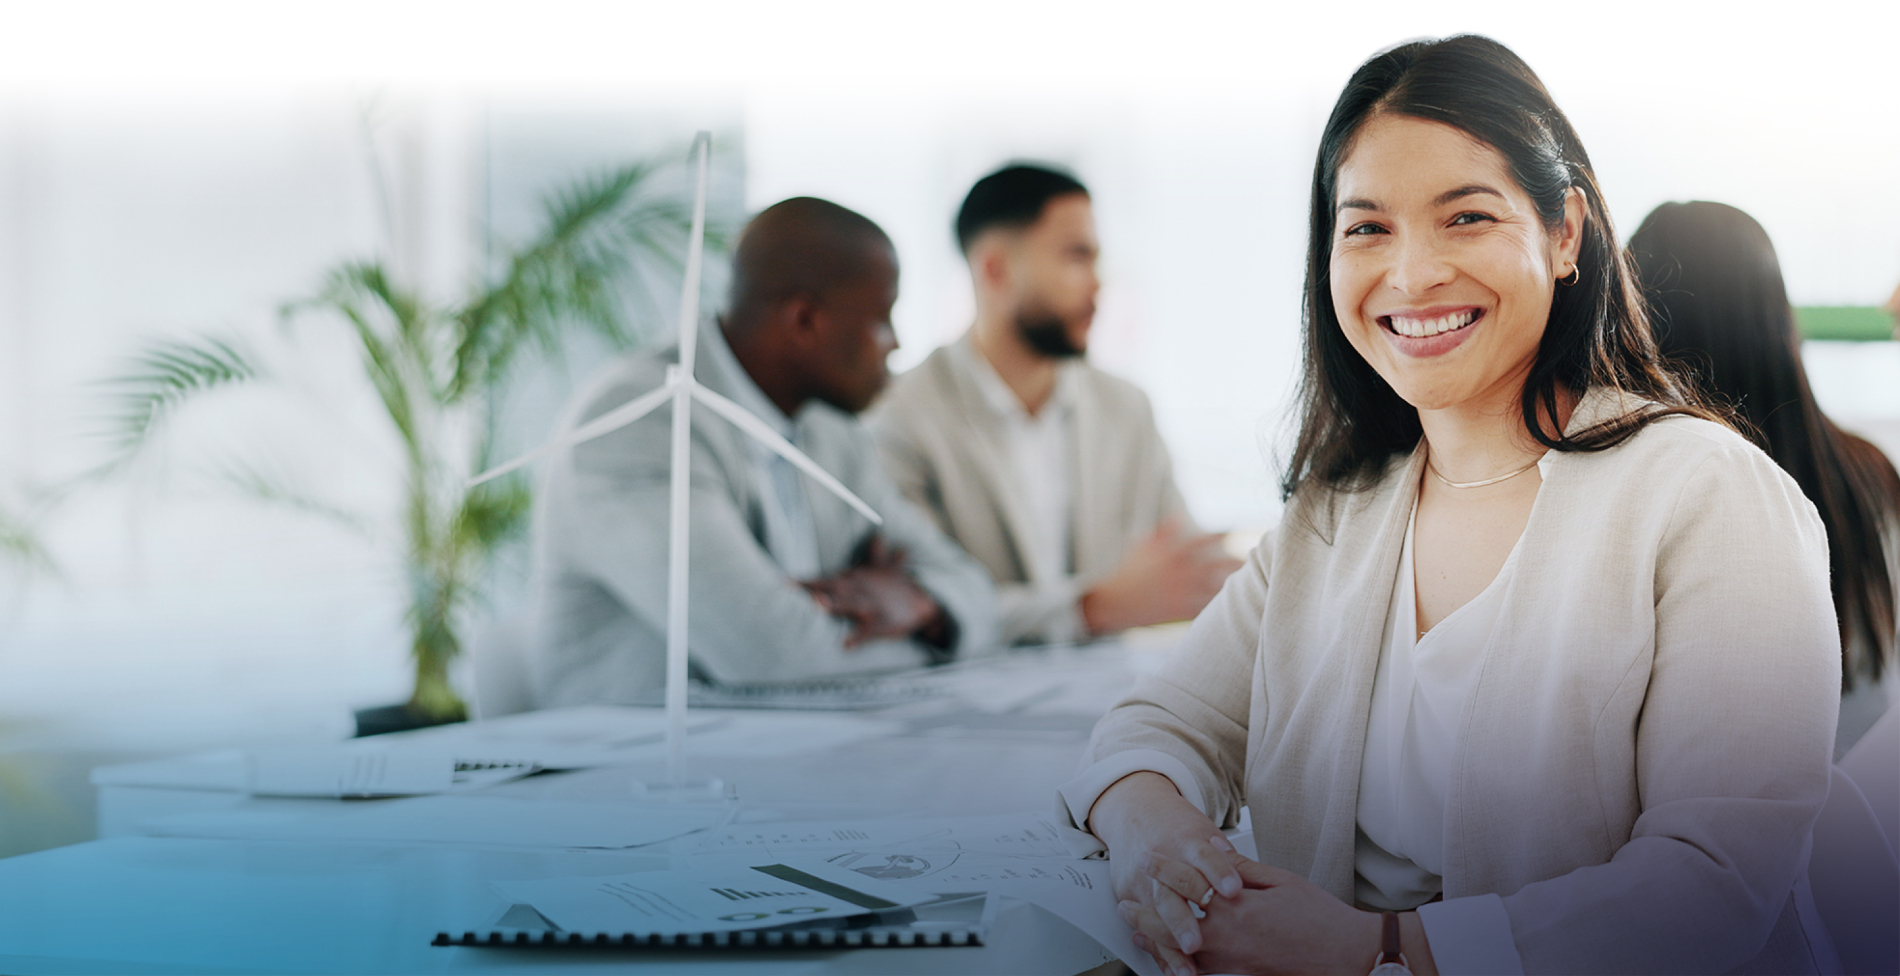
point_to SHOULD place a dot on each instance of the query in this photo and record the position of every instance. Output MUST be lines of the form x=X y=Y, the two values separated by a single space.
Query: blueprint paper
x=718 y=900
x=1019 y=855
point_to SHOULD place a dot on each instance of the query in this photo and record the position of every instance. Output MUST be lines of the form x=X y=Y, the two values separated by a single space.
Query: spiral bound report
x=950 y=920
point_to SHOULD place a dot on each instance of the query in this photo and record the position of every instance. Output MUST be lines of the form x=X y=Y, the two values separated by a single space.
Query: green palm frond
x=18 y=542
x=597 y=231
x=268 y=486
x=391 y=326
x=161 y=379
x=491 y=514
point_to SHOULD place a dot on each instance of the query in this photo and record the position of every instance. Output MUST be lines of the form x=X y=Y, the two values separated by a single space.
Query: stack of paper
x=352 y=769
x=360 y=773
x=488 y=821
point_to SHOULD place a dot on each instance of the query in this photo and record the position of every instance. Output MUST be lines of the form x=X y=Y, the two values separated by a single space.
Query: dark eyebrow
x=1460 y=193
x=1470 y=189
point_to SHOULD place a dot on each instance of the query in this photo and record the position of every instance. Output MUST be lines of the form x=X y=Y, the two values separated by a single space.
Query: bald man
x=788 y=583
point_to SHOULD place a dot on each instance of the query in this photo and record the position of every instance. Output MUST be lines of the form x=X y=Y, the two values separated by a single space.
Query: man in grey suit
x=1049 y=471
x=788 y=583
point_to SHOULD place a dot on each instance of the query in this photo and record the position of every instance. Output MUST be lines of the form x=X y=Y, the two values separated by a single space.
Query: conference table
x=198 y=875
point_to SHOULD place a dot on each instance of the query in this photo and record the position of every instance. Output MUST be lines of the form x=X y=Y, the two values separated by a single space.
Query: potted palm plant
x=20 y=547
x=434 y=369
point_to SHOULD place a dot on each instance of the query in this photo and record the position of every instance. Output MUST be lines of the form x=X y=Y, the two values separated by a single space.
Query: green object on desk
x=1844 y=323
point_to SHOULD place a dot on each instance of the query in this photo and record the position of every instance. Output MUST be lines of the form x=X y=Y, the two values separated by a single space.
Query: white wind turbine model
x=681 y=389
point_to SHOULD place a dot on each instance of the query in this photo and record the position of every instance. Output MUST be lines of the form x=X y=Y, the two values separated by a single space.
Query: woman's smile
x=1428 y=332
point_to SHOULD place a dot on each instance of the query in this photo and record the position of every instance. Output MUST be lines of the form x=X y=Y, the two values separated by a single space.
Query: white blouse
x=1421 y=688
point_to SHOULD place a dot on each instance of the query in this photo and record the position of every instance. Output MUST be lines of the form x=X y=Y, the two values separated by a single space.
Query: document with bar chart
x=783 y=905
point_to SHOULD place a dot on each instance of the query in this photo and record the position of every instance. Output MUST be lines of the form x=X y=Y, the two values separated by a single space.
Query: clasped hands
x=1197 y=905
x=1256 y=919
x=878 y=597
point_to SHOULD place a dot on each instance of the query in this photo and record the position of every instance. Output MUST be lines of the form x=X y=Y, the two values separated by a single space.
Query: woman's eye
x=1470 y=217
x=1362 y=230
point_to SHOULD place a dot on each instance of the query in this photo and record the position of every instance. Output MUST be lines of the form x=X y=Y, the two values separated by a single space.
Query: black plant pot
x=393 y=718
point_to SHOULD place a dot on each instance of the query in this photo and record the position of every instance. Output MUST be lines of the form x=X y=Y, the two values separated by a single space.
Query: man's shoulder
x=938 y=372
x=1107 y=391
x=832 y=425
x=621 y=379
x=925 y=389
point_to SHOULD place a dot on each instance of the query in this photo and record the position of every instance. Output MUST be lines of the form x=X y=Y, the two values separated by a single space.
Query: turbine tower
x=681 y=389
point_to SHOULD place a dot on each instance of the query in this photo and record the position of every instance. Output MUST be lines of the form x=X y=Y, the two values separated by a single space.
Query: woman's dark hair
x=1720 y=309
x=1352 y=422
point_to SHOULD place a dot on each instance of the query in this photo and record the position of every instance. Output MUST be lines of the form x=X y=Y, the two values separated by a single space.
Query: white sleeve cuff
x=1075 y=798
x=1066 y=625
x=1471 y=937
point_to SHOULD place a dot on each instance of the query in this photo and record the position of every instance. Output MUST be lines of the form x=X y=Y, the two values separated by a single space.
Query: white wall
x=182 y=166
x=1197 y=139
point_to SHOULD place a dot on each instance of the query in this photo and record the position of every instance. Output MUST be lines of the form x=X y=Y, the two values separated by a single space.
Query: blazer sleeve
x=1023 y=611
x=1189 y=720
x=957 y=582
x=904 y=462
x=1732 y=745
x=1050 y=613
x=750 y=623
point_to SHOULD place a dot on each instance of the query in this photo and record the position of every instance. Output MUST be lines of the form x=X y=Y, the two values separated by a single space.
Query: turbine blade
x=608 y=422
x=759 y=429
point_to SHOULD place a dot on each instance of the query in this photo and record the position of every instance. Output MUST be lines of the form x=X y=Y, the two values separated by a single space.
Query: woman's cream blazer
x=1648 y=744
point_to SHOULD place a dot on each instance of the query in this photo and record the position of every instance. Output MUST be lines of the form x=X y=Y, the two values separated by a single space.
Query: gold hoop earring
x=1575 y=275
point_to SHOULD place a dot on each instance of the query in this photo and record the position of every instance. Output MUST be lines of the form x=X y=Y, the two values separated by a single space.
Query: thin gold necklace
x=1433 y=468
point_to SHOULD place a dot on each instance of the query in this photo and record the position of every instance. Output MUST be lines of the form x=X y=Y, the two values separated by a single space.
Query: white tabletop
x=175 y=905
x=129 y=903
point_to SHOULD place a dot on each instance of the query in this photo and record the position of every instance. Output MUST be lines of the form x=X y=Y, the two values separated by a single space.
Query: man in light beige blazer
x=1049 y=471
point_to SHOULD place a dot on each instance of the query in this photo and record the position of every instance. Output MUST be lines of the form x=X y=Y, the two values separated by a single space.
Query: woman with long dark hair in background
x=1538 y=672
x=1720 y=311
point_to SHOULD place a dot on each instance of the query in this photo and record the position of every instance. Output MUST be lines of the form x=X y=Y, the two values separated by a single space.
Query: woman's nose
x=1418 y=266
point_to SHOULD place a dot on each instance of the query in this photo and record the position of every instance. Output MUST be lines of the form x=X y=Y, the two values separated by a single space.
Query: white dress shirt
x=1039 y=449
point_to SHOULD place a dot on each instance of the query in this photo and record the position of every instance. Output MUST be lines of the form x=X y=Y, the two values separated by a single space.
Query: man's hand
x=1166 y=577
x=878 y=597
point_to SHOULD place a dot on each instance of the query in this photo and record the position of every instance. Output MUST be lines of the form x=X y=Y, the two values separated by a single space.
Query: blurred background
x=188 y=171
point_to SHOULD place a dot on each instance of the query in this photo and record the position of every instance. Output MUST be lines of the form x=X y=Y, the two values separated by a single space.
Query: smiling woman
x=1444 y=286
x=1538 y=673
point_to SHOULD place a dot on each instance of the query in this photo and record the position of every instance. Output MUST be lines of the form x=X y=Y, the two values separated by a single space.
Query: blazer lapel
x=1365 y=583
x=1089 y=553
